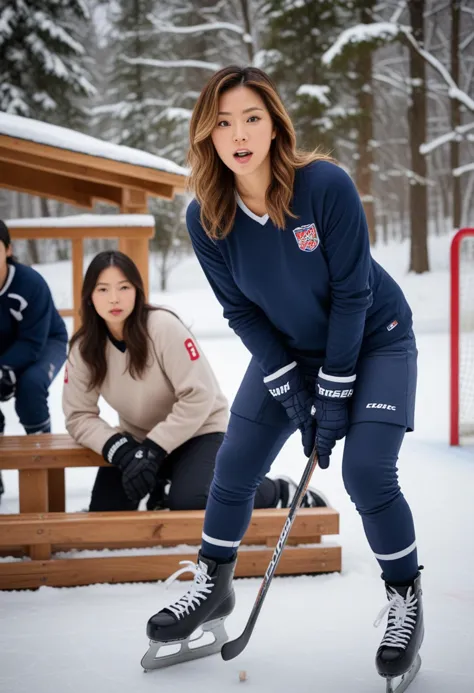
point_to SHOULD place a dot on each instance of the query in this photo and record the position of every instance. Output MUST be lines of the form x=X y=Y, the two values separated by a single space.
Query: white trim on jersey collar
x=260 y=220
x=10 y=275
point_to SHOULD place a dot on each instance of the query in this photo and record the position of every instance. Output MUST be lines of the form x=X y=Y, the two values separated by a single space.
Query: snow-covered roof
x=64 y=138
x=84 y=221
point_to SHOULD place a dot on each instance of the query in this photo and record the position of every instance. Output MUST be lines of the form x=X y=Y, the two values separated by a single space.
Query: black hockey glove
x=7 y=383
x=139 y=463
x=331 y=412
x=288 y=387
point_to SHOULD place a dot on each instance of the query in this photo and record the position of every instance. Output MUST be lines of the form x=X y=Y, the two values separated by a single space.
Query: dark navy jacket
x=311 y=289
x=28 y=318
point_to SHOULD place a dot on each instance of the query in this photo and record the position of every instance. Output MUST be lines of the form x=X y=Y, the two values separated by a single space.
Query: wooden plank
x=39 y=444
x=45 y=451
x=51 y=185
x=65 y=158
x=177 y=527
x=80 y=232
x=94 y=546
x=293 y=540
x=88 y=459
x=86 y=571
x=56 y=490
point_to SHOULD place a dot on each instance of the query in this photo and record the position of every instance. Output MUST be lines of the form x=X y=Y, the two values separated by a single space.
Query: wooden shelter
x=133 y=232
x=62 y=164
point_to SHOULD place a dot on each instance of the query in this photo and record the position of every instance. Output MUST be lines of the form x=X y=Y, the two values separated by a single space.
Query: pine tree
x=43 y=64
x=299 y=34
x=145 y=106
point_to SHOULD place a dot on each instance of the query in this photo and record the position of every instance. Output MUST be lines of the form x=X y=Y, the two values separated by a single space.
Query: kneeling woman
x=172 y=414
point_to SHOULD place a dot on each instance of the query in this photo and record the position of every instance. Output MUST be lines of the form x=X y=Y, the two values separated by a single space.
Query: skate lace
x=201 y=587
x=401 y=619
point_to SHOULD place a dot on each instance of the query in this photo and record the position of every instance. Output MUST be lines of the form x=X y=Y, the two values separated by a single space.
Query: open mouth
x=242 y=155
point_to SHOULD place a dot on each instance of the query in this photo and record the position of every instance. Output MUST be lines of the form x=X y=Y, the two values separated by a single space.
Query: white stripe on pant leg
x=40 y=425
x=220 y=542
x=396 y=556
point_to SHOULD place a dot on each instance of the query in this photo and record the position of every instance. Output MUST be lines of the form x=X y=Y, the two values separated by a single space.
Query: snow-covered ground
x=314 y=633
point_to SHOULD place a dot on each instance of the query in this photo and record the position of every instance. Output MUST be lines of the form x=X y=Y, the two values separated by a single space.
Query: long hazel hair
x=92 y=335
x=212 y=182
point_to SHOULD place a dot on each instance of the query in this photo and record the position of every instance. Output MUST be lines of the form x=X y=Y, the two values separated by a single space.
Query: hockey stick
x=235 y=647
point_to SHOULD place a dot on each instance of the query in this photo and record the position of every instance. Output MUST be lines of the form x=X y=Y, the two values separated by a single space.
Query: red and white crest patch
x=192 y=350
x=307 y=237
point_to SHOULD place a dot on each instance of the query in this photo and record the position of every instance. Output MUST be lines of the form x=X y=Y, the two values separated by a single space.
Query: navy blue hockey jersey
x=28 y=317
x=310 y=289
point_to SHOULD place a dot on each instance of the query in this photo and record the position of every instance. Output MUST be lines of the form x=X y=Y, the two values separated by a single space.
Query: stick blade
x=232 y=649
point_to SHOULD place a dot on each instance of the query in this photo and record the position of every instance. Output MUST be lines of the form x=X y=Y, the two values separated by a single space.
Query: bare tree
x=365 y=135
x=417 y=123
x=455 y=112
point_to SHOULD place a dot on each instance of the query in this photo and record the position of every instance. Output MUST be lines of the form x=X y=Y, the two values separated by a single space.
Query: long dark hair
x=92 y=334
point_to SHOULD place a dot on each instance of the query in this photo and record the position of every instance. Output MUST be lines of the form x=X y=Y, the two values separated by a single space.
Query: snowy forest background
x=387 y=87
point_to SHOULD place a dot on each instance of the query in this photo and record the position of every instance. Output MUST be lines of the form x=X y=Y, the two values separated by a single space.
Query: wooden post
x=34 y=498
x=77 y=271
x=135 y=202
x=137 y=250
x=56 y=491
x=132 y=240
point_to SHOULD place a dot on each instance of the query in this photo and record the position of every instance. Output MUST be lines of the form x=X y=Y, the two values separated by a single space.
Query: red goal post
x=462 y=337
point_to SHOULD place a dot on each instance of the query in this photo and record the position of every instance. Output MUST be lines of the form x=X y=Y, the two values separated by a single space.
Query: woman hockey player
x=282 y=238
x=172 y=414
x=33 y=340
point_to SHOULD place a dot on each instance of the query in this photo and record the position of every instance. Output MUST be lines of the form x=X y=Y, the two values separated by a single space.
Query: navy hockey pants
x=31 y=392
x=382 y=410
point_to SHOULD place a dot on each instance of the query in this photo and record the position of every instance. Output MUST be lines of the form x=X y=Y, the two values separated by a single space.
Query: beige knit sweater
x=177 y=397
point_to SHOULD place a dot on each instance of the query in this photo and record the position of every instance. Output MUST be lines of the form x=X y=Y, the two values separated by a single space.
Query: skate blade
x=406 y=679
x=189 y=648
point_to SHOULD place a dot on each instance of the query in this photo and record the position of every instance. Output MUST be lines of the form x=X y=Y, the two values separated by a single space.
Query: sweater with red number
x=176 y=398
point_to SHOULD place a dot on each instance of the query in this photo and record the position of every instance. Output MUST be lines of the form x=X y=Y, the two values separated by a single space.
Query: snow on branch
x=463 y=169
x=6 y=16
x=149 y=62
x=315 y=91
x=56 y=32
x=454 y=92
x=359 y=34
x=367 y=32
x=194 y=28
x=123 y=109
x=454 y=135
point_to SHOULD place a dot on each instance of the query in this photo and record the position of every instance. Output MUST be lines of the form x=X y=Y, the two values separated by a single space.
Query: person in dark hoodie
x=33 y=340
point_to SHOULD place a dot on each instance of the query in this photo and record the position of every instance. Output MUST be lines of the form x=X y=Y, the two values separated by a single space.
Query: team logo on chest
x=306 y=237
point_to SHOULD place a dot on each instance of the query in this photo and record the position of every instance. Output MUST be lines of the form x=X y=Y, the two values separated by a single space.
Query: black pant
x=188 y=469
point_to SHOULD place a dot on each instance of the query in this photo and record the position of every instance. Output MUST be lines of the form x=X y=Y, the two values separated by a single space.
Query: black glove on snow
x=288 y=387
x=139 y=463
x=7 y=383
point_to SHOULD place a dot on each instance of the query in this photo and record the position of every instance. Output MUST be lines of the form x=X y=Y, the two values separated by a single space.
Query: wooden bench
x=42 y=529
